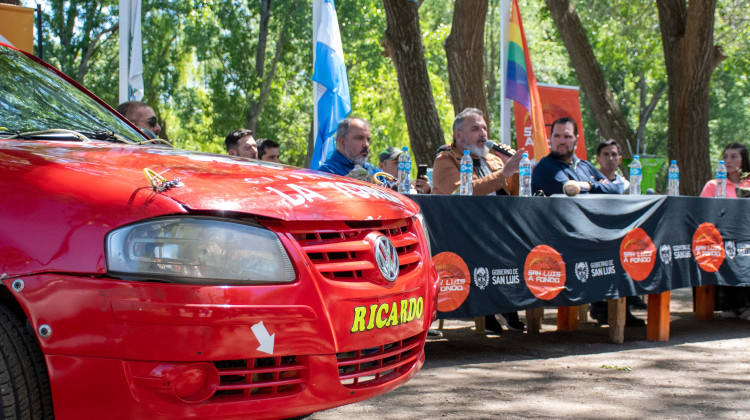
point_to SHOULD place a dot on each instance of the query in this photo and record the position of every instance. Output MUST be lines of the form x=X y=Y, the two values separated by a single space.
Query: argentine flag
x=332 y=102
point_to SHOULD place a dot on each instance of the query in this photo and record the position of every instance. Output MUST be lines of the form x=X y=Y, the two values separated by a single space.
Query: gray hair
x=459 y=120
x=343 y=127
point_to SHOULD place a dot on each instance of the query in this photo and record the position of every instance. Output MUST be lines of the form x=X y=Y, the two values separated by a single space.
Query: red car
x=147 y=282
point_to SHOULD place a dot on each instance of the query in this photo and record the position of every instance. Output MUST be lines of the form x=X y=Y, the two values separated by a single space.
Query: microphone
x=491 y=144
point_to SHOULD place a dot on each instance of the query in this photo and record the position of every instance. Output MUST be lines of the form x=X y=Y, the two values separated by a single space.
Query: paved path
x=702 y=372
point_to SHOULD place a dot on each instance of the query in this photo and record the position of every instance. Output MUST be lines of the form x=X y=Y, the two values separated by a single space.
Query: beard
x=476 y=150
x=361 y=160
x=562 y=156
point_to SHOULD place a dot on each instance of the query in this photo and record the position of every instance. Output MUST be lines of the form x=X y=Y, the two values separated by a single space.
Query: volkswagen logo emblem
x=387 y=258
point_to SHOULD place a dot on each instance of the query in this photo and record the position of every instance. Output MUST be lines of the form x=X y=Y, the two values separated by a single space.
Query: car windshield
x=34 y=99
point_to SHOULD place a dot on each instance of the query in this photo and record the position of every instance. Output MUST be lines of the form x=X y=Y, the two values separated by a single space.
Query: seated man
x=142 y=116
x=352 y=147
x=490 y=177
x=268 y=150
x=241 y=143
x=389 y=164
x=609 y=158
x=562 y=167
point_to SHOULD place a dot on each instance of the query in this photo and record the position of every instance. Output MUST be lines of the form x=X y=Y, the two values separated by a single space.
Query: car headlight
x=198 y=250
x=423 y=223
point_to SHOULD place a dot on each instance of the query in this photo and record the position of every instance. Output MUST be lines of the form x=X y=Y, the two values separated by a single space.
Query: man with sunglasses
x=142 y=116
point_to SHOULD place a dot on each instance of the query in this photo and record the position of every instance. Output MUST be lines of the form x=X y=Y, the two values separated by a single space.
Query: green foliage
x=200 y=75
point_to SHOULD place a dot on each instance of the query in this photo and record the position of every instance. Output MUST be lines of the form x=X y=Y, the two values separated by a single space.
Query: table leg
x=567 y=318
x=583 y=313
x=534 y=318
x=616 y=309
x=704 y=302
x=479 y=325
x=657 y=324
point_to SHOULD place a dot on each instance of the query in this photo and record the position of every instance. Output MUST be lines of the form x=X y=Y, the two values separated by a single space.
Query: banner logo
x=730 y=250
x=544 y=271
x=481 y=277
x=582 y=271
x=665 y=253
x=708 y=247
x=455 y=281
x=637 y=254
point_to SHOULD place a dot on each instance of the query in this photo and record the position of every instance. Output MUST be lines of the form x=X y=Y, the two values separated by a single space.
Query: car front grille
x=261 y=378
x=339 y=251
x=377 y=365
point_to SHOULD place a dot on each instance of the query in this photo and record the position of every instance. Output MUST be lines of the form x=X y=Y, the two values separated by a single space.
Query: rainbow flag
x=521 y=84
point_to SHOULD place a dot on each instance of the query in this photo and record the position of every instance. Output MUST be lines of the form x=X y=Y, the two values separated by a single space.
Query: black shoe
x=510 y=321
x=636 y=302
x=491 y=324
x=434 y=333
x=599 y=312
x=632 y=321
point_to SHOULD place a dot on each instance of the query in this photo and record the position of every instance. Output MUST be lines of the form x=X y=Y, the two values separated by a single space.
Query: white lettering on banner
x=604 y=263
x=454 y=285
x=681 y=252
x=708 y=251
x=637 y=256
x=545 y=276
x=743 y=249
x=602 y=271
x=502 y=276
x=527 y=135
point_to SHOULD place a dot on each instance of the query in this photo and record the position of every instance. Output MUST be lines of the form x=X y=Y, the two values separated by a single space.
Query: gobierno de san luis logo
x=637 y=254
x=708 y=247
x=544 y=271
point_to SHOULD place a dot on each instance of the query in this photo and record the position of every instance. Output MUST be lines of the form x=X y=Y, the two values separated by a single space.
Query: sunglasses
x=152 y=121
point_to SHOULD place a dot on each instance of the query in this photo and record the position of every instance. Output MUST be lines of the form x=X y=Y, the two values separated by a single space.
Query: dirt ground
x=703 y=371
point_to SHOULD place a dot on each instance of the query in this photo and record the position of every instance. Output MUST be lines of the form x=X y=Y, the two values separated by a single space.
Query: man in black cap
x=389 y=164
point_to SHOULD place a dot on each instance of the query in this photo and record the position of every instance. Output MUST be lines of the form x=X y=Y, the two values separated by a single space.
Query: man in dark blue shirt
x=352 y=148
x=563 y=168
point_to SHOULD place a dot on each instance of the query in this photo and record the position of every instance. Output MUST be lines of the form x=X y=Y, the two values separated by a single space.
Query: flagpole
x=505 y=103
x=124 y=48
x=316 y=19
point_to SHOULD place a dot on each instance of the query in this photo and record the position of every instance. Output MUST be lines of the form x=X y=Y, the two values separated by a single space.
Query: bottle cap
x=721 y=162
x=674 y=162
x=525 y=155
x=405 y=149
x=466 y=152
x=635 y=157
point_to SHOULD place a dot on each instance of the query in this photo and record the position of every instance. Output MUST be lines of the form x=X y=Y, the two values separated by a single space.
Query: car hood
x=210 y=182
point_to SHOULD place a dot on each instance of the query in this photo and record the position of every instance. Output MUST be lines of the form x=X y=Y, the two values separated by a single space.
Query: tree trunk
x=403 y=44
x=609 y=118
x=691 y=56
x=265 y=79
x=464 y=49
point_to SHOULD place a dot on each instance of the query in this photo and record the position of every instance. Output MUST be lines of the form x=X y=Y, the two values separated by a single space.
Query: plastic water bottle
x=524 y=176
x=721 y=180
x=404 y=171
x=674 y=180
x=467 y=171
x=635 y=176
